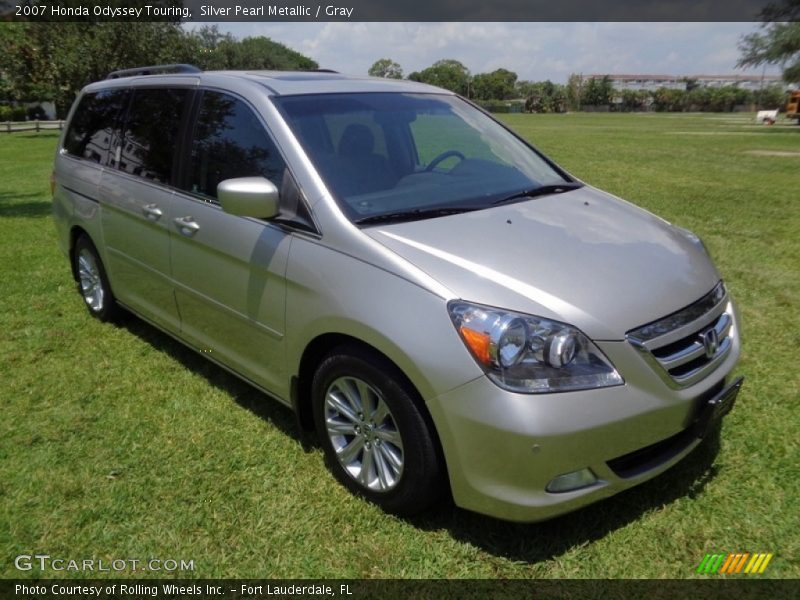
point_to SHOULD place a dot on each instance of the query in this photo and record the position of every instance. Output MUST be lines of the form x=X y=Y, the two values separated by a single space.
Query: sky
x=535 y=51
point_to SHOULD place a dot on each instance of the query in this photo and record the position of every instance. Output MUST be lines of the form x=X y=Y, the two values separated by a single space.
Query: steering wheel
x=443 y=156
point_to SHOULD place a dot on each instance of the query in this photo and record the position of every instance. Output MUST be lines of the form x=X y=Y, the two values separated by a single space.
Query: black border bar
x=386 y=10
x=710 y=587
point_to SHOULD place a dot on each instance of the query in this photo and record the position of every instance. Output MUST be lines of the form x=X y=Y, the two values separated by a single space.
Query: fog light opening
x=572 y=481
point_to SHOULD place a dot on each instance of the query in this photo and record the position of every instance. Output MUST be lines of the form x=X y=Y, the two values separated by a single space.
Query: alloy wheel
x=364 y=434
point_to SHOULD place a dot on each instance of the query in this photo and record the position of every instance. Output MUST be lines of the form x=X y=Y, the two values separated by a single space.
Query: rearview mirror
x=249 y=197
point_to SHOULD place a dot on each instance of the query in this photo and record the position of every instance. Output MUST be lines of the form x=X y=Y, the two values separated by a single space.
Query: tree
x=606 y=90
x=691 y=83
x=53 y=61
x=558 y=99
x=668 y=100
x=263 y=53
x=5 y=89
x=772 y=96
x=386 y=67
x=574 y=91
x=779 y=44
x=598 y=92
x=698 y=98
x=722 y=99
x=543 y=96
x=210 y=47
x=212 y=50
x=448 y=74
x=634 y=100
x=497 y=85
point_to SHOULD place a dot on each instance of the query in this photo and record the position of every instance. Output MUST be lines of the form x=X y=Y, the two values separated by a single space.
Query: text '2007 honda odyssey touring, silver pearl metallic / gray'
x=449 y=309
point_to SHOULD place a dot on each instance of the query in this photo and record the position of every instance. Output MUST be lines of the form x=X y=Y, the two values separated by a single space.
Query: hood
x=582 y=257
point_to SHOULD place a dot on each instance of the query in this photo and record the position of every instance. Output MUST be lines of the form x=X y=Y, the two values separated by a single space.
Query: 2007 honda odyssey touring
x=446 y=306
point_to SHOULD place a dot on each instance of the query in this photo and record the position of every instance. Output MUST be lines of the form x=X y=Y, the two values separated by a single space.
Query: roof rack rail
x=153 y=70
x=325 y=71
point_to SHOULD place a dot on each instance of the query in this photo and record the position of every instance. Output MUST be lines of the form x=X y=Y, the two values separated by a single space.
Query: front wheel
x=376 y=438
x=92 y=281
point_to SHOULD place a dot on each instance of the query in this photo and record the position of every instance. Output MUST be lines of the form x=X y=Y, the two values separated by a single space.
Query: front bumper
x=502 y=448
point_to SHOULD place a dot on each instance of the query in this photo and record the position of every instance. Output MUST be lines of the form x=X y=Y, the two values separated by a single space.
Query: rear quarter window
x=92 y=127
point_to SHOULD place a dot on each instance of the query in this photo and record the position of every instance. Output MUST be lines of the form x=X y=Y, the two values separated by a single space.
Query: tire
x=377 y=441
x=92 y=281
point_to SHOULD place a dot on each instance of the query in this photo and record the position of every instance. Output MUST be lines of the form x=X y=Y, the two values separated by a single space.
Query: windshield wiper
x=415 y=214
x=543 y=190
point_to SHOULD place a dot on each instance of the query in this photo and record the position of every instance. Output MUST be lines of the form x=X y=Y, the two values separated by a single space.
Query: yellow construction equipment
x=793 y=106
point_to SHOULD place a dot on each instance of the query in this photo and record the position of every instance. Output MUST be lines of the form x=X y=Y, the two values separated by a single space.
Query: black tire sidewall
x=420 y=482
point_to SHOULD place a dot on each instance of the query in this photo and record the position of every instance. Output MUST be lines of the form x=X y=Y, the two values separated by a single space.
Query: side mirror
x=249 y=197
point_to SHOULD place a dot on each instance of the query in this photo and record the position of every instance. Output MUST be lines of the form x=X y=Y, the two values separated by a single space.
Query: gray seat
x=356 y=169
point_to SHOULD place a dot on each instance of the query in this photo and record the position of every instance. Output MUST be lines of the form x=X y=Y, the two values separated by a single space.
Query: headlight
x=524 y=353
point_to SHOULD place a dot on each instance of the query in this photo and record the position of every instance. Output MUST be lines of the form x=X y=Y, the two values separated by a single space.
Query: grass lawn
x=116 y=442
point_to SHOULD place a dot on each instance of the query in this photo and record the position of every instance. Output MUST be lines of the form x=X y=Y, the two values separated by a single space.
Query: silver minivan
x=449 y=309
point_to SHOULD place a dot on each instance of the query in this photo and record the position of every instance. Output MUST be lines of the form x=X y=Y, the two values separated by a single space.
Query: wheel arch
x=313 y=354
x=320 y=347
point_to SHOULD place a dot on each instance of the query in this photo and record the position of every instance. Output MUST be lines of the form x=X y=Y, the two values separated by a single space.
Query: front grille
x=687 y=345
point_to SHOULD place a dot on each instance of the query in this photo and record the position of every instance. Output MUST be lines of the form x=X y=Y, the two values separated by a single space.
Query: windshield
x=392 y=154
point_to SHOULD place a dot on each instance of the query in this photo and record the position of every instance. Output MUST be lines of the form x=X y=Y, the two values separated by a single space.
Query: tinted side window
x=229 y=141
x=148 y=145
x=92 y=127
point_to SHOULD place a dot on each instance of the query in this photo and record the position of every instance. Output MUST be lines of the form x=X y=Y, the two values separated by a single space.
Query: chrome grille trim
x=698 y=373
x=696 y=349
x=674 y=346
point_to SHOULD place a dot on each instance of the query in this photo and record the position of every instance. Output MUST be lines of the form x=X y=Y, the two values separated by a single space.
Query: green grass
x=116 y=442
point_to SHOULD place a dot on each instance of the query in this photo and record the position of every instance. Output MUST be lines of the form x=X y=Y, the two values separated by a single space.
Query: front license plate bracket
x=712 y=410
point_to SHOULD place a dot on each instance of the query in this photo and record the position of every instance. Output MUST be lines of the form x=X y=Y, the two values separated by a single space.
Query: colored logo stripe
x=734 y=563
x=711 y=563
x=758 y=563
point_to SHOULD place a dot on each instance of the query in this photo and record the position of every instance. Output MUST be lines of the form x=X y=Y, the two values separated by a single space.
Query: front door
x=229 y=271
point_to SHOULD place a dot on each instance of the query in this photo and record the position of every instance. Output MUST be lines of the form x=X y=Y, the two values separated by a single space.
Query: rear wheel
x=375 y=437
x=92 y=281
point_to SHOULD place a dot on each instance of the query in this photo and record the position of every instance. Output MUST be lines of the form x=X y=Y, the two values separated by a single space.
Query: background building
x=651 y=83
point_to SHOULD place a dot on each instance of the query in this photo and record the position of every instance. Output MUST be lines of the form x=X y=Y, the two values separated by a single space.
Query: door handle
x=152 y=212
x=187 y=226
